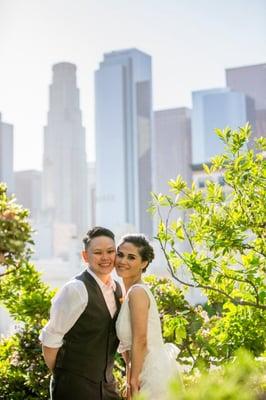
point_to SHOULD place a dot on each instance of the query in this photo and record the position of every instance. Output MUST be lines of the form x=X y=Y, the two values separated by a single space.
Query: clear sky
x=191 y=43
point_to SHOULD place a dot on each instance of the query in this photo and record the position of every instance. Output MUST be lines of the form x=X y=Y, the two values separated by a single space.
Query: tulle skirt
x=159 y=368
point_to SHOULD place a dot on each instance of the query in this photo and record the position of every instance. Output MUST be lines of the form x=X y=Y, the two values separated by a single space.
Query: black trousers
x=67 y=386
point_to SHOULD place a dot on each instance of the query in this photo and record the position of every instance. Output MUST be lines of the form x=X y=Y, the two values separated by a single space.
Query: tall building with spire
x=64 y=159
x=123 y=101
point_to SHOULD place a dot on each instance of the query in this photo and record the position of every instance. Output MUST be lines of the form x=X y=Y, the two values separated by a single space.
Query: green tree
x=225 y=231
x=15 y=233
x=23 y=374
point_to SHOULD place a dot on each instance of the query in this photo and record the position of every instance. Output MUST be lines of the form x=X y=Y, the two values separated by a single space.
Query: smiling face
x=129 y=263
x=100 y=255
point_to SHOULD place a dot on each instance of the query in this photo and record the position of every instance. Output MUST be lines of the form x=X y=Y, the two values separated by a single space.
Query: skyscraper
x=28 y=191
x=172 y=129
x=91 y=192
x=64 y=160
x=123 y=101
x=6 y=155
x=172 y=146
x=251 y=80
x=216 y=108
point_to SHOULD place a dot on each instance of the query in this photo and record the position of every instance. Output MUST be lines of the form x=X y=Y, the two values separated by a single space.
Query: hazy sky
x=191 y=43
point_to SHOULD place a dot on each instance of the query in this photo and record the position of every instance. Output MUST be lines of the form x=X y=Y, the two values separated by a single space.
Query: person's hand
x=128 y=388
x=128 y=392
x=134 y=387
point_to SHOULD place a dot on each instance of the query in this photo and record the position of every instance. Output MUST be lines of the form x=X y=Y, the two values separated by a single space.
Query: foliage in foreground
x=243 y=378
x=23 y=373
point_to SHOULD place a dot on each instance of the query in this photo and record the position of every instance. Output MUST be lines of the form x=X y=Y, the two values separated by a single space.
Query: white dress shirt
x=68 y=305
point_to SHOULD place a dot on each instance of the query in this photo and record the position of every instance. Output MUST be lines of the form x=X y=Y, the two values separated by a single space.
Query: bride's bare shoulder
x=138 y=293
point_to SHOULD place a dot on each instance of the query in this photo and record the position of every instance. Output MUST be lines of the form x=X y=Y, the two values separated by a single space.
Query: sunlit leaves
x=260 y=143
x=220 y=227
x=224 y=231
x=23 y=374
x=176 y=228
x=177 y=185
x=175 y=328
x=15 y=231
x=242 y=378
x=214 y=193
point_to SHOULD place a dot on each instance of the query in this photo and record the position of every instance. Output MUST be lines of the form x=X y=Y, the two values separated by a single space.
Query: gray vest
x=90 y=345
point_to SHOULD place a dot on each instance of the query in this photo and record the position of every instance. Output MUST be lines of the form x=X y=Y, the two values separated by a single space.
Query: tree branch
x=10 y=271
x=207 y=287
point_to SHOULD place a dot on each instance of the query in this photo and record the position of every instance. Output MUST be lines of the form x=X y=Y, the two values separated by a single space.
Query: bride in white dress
x=150 y=362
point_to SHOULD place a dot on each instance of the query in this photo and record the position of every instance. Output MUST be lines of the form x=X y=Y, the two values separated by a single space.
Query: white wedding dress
x=160 y=364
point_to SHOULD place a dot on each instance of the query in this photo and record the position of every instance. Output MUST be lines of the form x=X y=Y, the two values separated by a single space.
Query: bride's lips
x=121 y=268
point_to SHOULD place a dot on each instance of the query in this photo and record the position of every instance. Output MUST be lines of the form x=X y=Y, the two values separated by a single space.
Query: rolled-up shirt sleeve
x=67 y=306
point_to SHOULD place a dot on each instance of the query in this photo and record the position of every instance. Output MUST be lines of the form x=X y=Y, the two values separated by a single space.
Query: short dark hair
x=143 y=244
x=95 y=232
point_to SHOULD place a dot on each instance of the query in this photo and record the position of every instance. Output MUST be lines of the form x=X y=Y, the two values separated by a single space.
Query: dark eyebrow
x=129 y=254
x=109 y=248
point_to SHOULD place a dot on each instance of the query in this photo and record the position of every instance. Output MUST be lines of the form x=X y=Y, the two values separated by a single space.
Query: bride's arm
x=139 y=307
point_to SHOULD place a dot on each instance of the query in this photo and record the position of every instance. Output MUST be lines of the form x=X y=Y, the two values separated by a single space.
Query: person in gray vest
x=79 y=341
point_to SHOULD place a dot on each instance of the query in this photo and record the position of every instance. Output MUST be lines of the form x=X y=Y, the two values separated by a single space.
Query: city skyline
x=58 y=31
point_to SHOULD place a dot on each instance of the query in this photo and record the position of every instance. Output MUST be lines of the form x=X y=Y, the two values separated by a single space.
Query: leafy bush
x=243 y=378
x=23 y=373
x=15 y=232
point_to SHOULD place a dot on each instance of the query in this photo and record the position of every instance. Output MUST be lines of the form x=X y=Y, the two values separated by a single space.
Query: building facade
x=64 y=159
x=251 y=80
x=216 y=108
x=7 y=155
x=91 y=193
x=172 y=129
x=28 y=191
x=123 y=115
